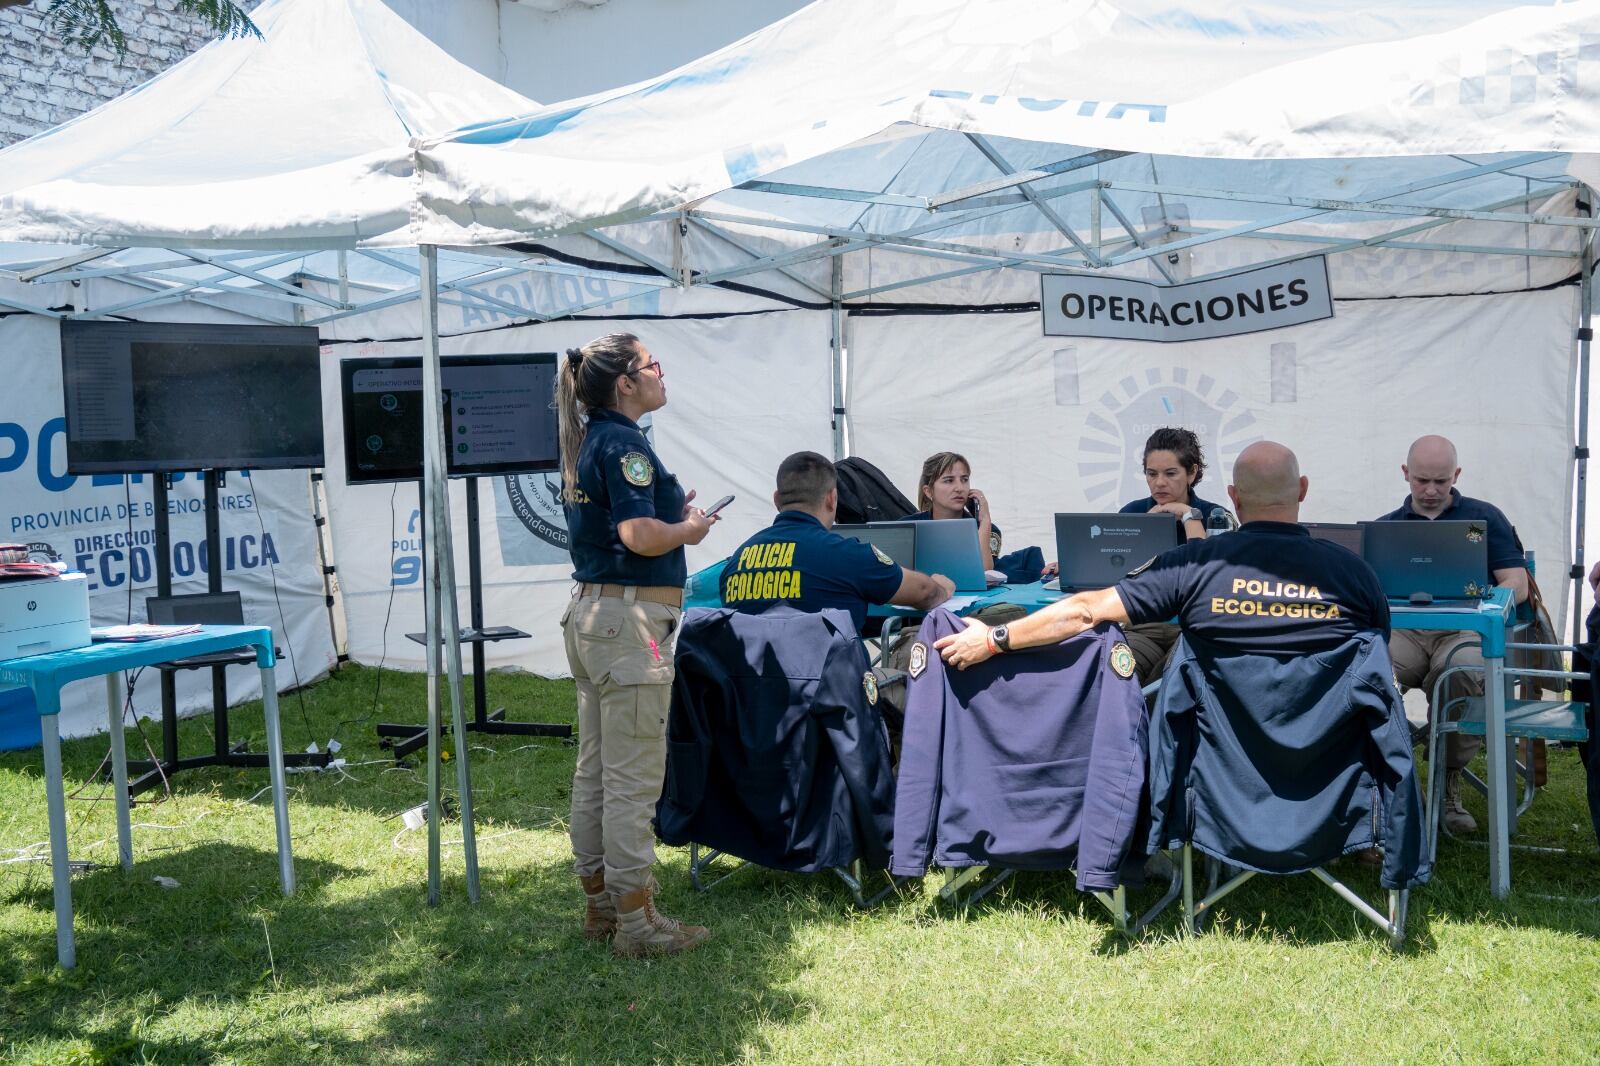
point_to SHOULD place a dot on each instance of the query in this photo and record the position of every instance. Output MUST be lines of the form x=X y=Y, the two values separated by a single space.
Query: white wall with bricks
x=45 y=81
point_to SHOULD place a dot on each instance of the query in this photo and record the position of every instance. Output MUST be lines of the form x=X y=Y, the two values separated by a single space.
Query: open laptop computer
x=1098 y=550
x=897 y=540
x=1344 y=534
x=949 y=546
x=1428 y=562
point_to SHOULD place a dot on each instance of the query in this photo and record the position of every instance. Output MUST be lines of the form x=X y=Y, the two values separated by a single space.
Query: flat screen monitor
x=163 y=397
x=499 y=416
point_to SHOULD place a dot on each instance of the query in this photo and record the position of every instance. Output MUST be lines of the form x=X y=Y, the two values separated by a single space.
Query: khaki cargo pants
x=624 y=690
x=1420 y=656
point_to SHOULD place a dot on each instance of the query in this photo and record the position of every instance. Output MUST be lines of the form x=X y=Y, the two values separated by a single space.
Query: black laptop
x=1344 y=534
x=1428 y=563
x=898 y=541
x=1098 y=550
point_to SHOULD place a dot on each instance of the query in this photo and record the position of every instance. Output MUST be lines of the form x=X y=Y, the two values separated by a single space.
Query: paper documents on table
x=138 y=631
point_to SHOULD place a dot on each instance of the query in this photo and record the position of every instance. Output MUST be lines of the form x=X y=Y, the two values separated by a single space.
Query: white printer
x=50 y=614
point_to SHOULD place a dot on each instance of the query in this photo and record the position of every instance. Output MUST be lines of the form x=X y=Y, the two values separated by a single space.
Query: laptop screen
x=898 y=542
x=1098 y=550
x=1442 y=560
x=1344 y=534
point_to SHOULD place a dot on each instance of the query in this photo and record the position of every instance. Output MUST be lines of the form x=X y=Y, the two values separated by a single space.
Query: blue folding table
x=46 y=675
x=1489 y=618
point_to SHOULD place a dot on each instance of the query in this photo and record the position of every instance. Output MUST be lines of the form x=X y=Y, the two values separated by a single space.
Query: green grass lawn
x=357 y=968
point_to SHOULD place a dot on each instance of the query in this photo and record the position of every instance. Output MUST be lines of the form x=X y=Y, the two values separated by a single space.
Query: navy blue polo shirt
x=1269 y=587
x=620 y=477
x=1505 y=550
x=995 y=537
x=1144 y=506
x=797 y=563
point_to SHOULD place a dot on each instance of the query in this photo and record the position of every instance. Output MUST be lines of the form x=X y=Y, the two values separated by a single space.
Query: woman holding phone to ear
x=945 y=491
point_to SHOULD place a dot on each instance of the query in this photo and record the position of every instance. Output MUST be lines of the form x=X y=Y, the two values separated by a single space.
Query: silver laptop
x=949 y=546
x=1428 y=562
x=1098 y=550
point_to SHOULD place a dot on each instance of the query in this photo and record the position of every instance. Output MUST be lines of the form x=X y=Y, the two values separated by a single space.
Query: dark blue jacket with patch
x=776 y=752
x=1033 y=760
x=1280 y=763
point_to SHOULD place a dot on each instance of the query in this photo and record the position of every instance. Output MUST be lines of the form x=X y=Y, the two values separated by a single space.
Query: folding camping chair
x=1115 y=901
x=1351 y=741
x=754 y=698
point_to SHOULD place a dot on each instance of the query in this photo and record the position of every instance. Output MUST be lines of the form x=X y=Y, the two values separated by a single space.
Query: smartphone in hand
x=719 y=505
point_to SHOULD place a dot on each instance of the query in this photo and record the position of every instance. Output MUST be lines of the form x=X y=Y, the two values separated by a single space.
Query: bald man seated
x=1421 y=655
x=1269 y=587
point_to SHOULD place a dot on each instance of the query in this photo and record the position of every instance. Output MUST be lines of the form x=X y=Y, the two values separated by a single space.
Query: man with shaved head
x=1421 y=655
x=1267 y=588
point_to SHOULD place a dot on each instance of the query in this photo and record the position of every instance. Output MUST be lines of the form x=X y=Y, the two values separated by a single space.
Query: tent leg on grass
x=439 y=593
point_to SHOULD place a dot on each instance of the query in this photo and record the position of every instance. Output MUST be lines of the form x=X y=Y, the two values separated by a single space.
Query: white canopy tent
x=947 y=152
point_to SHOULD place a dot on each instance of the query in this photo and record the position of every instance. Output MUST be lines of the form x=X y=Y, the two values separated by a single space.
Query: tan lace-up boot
x=642 y=931
x=599 y=912
x=1457 y=819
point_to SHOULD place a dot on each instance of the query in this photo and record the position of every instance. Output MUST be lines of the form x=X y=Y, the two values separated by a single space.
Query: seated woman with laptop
x=944 y=491
x=1173 y=466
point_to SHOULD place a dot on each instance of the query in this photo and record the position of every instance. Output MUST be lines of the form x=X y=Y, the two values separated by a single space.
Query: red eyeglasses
x=654 y=364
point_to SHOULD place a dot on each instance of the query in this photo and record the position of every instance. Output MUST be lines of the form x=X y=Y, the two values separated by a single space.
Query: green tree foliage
x=87 y=23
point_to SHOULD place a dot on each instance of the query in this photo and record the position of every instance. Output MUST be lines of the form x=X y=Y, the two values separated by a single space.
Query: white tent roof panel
x=299 y=139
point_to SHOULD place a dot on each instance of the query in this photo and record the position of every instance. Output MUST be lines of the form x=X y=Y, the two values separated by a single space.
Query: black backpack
x=866 y=494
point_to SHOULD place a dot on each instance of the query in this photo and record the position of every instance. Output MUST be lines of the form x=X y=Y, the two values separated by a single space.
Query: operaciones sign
x=1079 y=305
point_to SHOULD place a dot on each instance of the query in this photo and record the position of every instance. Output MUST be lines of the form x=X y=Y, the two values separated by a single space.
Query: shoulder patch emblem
x=870 y=685
x=882 y=558
x=919 y=658
x=994 y=542
x=1122 y=659
x=637 y=470
x=1141 y=568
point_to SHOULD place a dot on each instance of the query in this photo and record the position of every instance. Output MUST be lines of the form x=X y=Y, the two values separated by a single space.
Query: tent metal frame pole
x=837 y=344
x=439 y=594
x=1581 y=452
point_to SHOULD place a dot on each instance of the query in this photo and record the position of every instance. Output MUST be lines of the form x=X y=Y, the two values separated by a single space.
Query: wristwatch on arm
x=1000 y=639
x=1193 y=515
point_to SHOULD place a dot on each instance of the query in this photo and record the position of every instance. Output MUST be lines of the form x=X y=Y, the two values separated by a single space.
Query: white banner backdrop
x=743 y=392
x=104 y=526
x=1058 y=424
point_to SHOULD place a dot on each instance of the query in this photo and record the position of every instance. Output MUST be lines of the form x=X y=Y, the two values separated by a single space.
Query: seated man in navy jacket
x=799 y=562
x=1269 y=587
x=1421 y=655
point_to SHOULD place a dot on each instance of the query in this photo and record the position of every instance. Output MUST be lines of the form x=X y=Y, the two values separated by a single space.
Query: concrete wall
x=44 y=81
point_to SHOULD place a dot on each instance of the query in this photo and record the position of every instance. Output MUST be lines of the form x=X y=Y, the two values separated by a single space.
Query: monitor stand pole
x=405 y=739
x=152 y=773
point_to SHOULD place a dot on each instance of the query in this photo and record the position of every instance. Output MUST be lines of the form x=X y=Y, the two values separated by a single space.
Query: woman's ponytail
x=586 y=379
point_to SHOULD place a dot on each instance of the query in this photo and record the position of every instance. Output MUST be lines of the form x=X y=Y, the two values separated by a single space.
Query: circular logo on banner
x=637 y=470
x=536 y=501
x=1141 y=403
x=1122 y=660
x=870 y=685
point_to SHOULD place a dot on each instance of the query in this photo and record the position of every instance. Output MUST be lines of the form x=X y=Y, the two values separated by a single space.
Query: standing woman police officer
x=627 y=520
